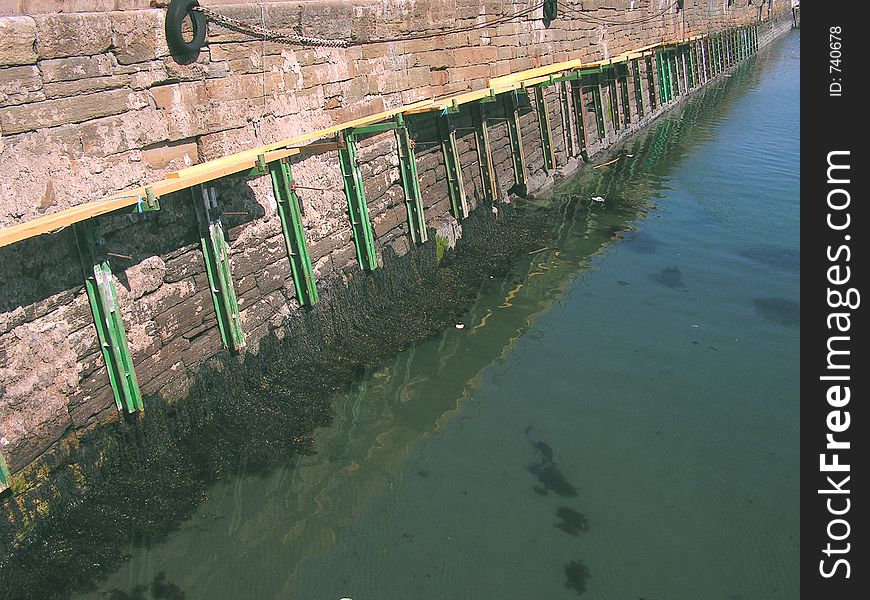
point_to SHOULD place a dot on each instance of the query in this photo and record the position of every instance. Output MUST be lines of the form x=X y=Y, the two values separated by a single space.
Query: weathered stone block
x=133 y=129
x=77 y=67
x=89 y=85
x=49 y=113
x=19 y=85
x=73 y=34
x=17 y=41
x=138 y=35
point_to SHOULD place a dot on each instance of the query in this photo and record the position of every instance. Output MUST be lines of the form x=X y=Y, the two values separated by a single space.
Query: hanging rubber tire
x=551 y=9
x=176 y=13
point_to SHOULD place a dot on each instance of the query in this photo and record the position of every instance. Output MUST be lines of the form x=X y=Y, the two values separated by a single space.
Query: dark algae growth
x=376 y=450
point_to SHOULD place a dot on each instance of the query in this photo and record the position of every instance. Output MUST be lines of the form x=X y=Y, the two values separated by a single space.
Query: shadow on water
x=670 y=277
x=779 y=310
x=577 y=574
x=160 y=590
x=642 y=242
x=548 y=473
x=572 y=522
x=142 y=479
x=782 y=259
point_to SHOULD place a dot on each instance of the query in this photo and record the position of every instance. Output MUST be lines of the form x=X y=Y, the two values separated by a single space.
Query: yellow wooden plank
x=520 y=76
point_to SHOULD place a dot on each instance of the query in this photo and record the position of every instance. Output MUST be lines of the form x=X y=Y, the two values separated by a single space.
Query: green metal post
x=638 y=87
x=217 y=264
x=693 y=79
x=565 y=109
x=484 y=152
x=650 y=82
x=660 y=69
x=294 y=233
x=111 y=334
x=580 y=115
x=544 y=125
x=453 y=167
x=357 y=207
x=599 y=107
x=613 y=97
x=626 y=102
x=673 y=74
x=516 y=138
x=410 y=183
x=5 y=479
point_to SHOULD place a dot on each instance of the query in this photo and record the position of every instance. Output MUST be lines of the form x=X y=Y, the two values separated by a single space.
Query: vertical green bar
x=599 y=107
x=217 y=263
x=453 y=167
x=650 y=82
x=576 y=88
x=693 y=78
x=565 y=109
x=111 y=334
x=612 y=97
x=516 y=138
x=626 y=102
x=410 y=183
x=661 y=71
x=638 y=87
x=484 y=152
x=544 y=125
x=5 y=479
x=357 y=207
x=293 y=231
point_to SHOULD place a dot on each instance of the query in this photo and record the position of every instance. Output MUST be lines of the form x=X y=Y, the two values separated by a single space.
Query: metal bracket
x=357 y=208
x=375 y=128
x=518 y=156
x=410 y=183
x=217 y=265
x=546 y=131
x=111 y=334
x=456 y=188
x=484 y=151
x=294 y=233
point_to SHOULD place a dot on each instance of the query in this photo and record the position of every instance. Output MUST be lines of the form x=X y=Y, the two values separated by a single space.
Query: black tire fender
x=551 y=10
x=175 y=15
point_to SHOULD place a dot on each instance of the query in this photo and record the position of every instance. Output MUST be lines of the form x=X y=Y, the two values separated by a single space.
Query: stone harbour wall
x=92 y=102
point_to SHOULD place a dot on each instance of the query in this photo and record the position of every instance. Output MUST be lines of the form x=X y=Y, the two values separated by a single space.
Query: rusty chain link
x=267 y=34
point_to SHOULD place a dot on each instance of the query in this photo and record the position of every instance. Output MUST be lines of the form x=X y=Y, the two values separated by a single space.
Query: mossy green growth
x=441 y=246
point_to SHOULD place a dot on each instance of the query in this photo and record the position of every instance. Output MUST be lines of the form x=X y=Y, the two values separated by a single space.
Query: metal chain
x=267 y=34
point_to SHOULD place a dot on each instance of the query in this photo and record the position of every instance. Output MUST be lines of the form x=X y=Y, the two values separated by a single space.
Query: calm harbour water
x=617 y=419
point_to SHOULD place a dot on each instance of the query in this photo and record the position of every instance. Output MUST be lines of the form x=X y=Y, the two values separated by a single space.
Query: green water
x=617 y=419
